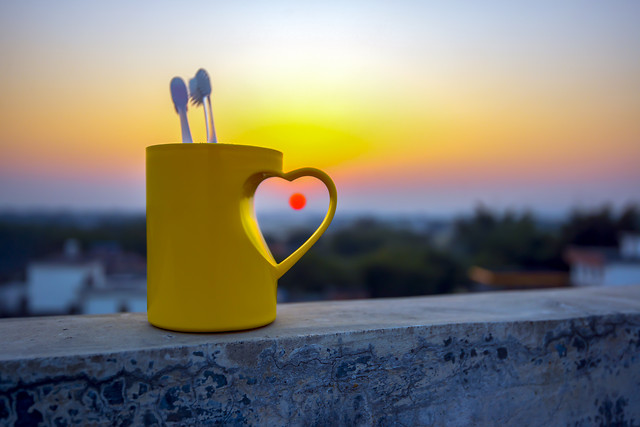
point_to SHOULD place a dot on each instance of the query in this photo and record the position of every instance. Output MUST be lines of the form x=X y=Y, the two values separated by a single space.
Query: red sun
x=297 y=201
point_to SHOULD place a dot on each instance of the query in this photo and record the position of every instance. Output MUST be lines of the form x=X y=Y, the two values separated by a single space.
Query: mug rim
x=210 y=146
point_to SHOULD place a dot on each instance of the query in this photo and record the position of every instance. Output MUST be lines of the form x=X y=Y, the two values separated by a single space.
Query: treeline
x=385 y=261
x=26 y=239
x=370 y=256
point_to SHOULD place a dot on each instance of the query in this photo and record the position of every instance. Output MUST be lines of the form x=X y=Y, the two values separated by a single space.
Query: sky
x=411 y=106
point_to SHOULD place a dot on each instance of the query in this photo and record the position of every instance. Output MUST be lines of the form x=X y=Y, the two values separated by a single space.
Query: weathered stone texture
x=531 y=358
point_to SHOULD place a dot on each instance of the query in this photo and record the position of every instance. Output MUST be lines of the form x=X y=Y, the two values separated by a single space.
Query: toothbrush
x=200 y=88
x=180 y=99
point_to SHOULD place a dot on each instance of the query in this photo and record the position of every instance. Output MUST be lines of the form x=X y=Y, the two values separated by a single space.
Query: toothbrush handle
x=184 y=125
x=208 y=112
x=206 y=121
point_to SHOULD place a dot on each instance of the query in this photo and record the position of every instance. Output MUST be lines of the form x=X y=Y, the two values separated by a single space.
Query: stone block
x=561 y=357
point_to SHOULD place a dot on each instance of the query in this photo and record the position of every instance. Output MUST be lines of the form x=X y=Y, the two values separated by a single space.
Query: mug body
x=207 y=269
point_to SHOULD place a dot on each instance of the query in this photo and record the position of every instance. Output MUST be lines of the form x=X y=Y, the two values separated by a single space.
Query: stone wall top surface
x=42 y=337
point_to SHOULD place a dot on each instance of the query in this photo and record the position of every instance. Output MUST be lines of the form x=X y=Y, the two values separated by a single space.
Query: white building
x=54 y=286
x=102 y=282
x=121 y=294
x=593 y=266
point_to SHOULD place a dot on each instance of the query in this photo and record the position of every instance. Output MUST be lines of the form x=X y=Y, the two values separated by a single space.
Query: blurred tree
x=629 y=219
x=508 y=241
x=410 y=272
x=372 y=256
x=600 y=227
x=317 y=272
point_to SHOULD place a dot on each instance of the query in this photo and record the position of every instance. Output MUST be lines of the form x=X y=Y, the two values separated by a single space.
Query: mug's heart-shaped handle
x=253 y=230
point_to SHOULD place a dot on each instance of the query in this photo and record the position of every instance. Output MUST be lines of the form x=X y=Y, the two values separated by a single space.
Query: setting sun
x=297 y=201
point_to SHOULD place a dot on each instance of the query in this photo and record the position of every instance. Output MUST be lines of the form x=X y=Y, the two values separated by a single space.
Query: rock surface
x=562 y=357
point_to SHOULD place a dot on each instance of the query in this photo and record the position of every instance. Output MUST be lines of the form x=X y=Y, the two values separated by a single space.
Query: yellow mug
x=208 y=266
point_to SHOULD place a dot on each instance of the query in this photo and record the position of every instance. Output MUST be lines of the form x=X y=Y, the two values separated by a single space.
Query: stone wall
x=562 y=357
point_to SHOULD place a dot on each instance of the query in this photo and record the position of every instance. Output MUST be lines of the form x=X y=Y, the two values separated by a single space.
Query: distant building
x=121 y=295
x=486 y=279
x=54 y=286
x=105 y=280
x=603 y=266
x=125 y=289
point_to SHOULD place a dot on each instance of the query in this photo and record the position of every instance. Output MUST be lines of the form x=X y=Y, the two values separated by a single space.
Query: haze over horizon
x=413 y=107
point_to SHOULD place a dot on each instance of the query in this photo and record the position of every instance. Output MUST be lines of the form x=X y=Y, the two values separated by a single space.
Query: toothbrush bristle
x=194 y=90
x=204 y=83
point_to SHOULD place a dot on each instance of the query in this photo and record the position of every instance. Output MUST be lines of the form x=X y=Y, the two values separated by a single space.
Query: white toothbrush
x=200 y=88
x=180 y=99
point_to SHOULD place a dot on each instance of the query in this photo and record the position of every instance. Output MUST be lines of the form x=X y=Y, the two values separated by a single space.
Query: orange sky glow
x=428 y=107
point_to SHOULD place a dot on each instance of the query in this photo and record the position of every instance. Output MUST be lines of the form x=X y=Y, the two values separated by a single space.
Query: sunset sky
x=411 y=106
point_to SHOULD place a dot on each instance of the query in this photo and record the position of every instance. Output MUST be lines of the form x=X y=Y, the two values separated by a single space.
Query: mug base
x=211 y=328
